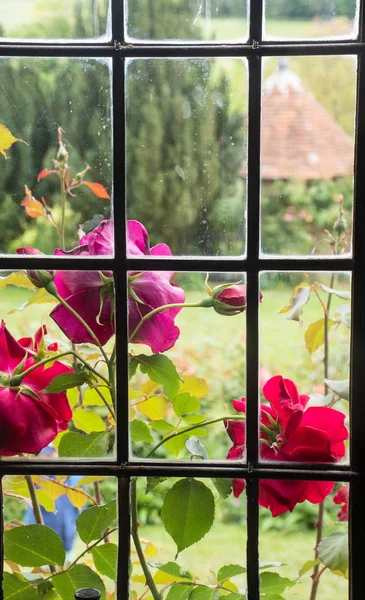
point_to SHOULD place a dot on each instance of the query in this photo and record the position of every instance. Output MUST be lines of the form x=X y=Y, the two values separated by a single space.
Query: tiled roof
x=300 y=139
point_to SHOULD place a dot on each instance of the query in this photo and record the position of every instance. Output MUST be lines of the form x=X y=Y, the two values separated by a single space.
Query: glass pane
x=50 y=522
x=296 y=517
x=179 y=403
x=307 y=155
x=186 y=152
x=186 y=20
x=55 y=20
x=312 y=19
x=307 y=317
x=209 y=530
x=54 y=386
x=55 y=186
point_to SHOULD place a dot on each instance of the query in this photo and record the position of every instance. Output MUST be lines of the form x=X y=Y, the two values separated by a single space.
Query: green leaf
x=176 y=444
x=87 y=421
x=105 y=559
x=194 y=419
x=308 y=566
x=76 y=578
x=179 y=591
x=340 y=293
x=132 y=366
x=140 y=432
x=92 y=522
x=74 y=444
x=273 y=583
x=14 y=589
x=224 y=487
x=153 y=482
x=195 y=516
x=185 y=404
x=205 y=593
x=33 y=546
x=61 y=383
x=172 y=568
x=229 y=571
x=334 y=552
x=234 y=596
x=162 y=425
x=341 y=388
x=162 y=370
x=196 y=448
x=314 y=336
x=92 y=398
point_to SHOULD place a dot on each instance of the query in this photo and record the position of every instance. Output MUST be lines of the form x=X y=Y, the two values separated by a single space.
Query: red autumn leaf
x=33 y=207
x=98 y=189
x=44 y=174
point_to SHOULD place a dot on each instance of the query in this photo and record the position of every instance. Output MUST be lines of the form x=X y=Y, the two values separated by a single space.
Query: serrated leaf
x=93 y=522
x=205 y=593
x=179 y=591
x=224 y=487
x=33 y=546
x=132 y=366
x=334 y=552
x=155 y=407
x=195 y=516
x=153 y=482
x=73 y=396
x=340 y=293
x=7 y=139
x=185 y=404
x=87 y=421
x=341 y=388
x=308 y=566
x=229 y=571
x=92 y=398
x=77 y=445
x=273 y=583
x=162 y=370
x=140 y=432
x=162 y=425
x=195 y=447
x=14 y=589
x=18 y=278
x=314 y=336
x=197 y=386
x=41 y=296
x=61 y=383
x=97 y=189
x=170 y=572
x=105 y=559
x=299 y=298
x=77 y=578
x=194 y=419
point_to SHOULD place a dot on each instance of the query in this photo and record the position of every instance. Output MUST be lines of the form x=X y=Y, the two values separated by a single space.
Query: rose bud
x=231 y=300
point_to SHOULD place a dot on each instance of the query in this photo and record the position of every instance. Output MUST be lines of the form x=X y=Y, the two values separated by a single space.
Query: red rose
x=290 y=433
x=342 y=497
x=29 y=418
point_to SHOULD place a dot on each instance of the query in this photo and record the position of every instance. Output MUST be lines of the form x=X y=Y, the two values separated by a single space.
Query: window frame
x=125 y=467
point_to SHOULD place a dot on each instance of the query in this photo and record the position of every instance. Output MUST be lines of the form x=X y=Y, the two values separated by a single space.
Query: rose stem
x=137 y=543
x=36 y=508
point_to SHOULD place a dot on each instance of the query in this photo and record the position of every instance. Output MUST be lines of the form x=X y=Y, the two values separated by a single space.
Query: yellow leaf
x=138 y=579
x=197 y=386
x=132 y=413
x=91 y=479
x=87 y=421
x=57 y=440
x=149 y=387
x=18 y=278
x=149 y=549
x=229 y=585
x=92 y=398
x=154 y=407
x=314 y=336
x=6 y=139
x=73 y=397
x=46 y=501
x=77 y=498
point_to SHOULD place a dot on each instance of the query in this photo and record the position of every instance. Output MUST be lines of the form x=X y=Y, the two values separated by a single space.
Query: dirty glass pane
x=56 y=330
x=55 y=20
x=186 y=20
x=311 y=19
x=175 y=394
x=204 y=563
x=77 y=512
x=296 y=517
x=307 y=155
x=186 y=153
x=55 y=131
x=305 y=323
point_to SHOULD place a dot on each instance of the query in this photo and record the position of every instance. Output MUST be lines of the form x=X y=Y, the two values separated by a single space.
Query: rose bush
x=290 y=432
x=29 y=418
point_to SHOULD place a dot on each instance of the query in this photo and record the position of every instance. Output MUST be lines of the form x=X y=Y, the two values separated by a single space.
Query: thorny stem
x=89 y=548
x=36 y=508
x=315 y=577
x=192 y=427
x=137 y=542
x=63 y=209
x=110 y=409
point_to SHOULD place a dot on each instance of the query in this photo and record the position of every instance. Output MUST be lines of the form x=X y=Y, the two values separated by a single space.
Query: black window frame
x=125 y=467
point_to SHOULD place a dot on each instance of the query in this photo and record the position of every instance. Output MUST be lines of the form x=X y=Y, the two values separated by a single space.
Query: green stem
x=89 y=548
x=105 y=402
x=36 y=508
x=192 y=427
x=137 y=543
x=83 y=323
x=166 y=307
x=63 y=210
x=315 y=578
